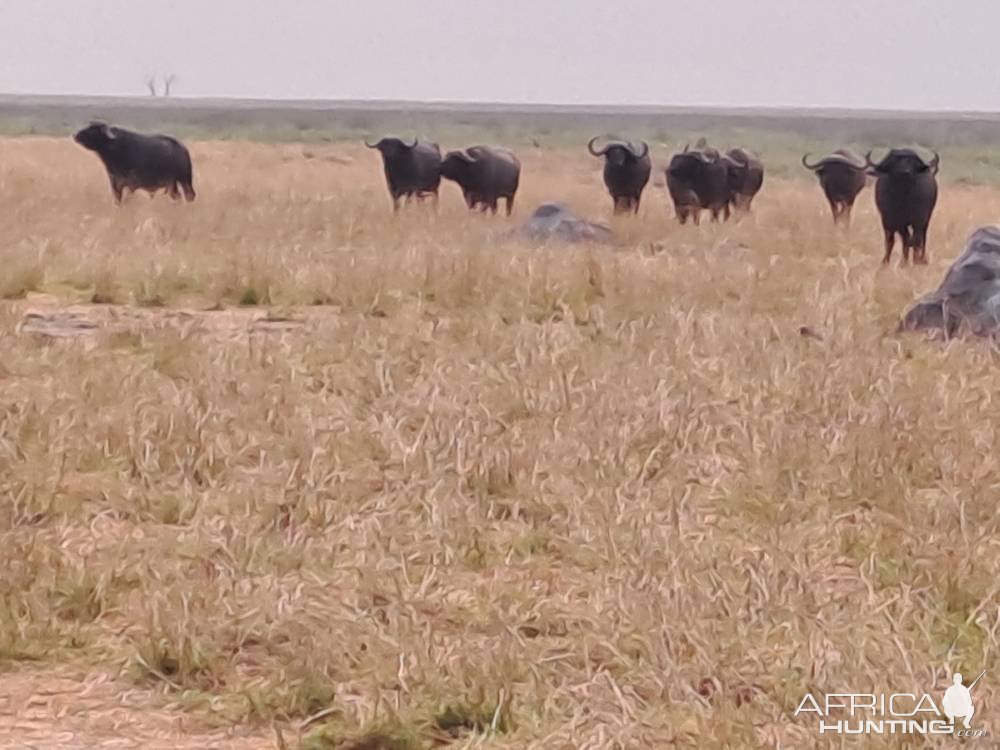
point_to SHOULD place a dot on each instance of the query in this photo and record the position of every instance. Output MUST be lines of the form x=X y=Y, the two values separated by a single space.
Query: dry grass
x=488 y=495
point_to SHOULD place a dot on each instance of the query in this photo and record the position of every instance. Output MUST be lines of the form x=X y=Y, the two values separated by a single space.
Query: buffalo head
x=96 y=136
x=391 y=147
x=457 y=163
x=618 y=153
x=738 y=162
x=903 y=163
x=687 y=163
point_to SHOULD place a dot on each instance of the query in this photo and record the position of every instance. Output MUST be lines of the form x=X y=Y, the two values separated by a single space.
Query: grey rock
x=969 y=297
x=555 y=221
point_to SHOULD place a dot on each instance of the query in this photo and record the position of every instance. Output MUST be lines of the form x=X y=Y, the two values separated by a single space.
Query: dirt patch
x=45 y=315
x=64 y=711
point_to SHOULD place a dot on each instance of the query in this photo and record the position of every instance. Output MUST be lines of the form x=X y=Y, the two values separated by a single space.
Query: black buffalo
x=140 y=162
x=698 y=180
x=412 y=170
x=485 y=174
x=745 y=175
x=905 y=194
x=626 y=172
x=842 y=175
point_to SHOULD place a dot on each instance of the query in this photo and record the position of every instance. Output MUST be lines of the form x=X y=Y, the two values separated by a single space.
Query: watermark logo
x=895 y=713
x=958 y=700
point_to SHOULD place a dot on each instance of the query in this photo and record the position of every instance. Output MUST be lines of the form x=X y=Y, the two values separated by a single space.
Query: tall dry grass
x=487 y=494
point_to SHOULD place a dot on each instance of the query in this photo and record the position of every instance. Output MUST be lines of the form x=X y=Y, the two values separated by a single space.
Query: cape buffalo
x=411 y=169
x=697 y=180
x=842 y=175
x=139 y=162
x=626 y=172
x=746 y=176
x=905 y=194
x=486 y=174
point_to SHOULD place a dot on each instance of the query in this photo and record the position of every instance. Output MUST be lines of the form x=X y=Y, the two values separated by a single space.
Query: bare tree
x=167 y=83
x=151 y=84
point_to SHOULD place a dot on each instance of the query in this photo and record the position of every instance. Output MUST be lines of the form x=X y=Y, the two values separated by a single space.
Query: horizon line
x=514 y=106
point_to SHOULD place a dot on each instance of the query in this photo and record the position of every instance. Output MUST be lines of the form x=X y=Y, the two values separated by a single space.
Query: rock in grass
x=555 y=221
x=968 y=299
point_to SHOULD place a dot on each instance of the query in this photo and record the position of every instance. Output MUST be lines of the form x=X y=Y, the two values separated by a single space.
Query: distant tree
x=151 y=84
x=168 y=82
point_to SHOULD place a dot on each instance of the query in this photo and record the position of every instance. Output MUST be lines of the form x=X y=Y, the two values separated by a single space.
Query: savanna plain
x=281 y=469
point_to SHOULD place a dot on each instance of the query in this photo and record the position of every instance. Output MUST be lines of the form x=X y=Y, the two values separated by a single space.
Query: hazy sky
x=914 y=54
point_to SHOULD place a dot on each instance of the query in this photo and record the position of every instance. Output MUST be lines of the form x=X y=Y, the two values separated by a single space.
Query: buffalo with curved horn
x=842 y=176
x=698 y=180
x=746 y=177
x=411 y=169
x=905 y=193
x=135 y=161
x=486 y=174
x=626 y=172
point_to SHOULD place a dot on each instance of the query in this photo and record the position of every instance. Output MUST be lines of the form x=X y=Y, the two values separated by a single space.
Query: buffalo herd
x=698 y=179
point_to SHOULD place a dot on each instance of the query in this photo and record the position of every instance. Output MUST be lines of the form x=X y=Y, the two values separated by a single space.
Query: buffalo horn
x=590 y=147
x=935 y=162
x=645 y=150
x=807 y=165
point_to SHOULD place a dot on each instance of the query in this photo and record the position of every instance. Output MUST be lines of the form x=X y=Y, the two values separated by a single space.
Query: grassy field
x=386 y=482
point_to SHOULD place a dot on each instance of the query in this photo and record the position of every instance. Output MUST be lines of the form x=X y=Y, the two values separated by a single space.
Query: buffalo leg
x=906 y=236
x=174 y=191
x=890 y=241
x=510 y=204
x=845 y=212
x=635 y=204
x=117 y=188
x=919 y=242
x=836 y=209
